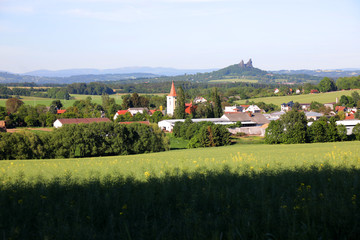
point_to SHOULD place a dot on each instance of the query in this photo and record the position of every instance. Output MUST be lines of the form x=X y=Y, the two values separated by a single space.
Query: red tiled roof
x=350 y=117
x=61 y=111
x=245 y=106
x=314 y=91
x=122 y=112
x=172 y=91
x=82 y=120
x=339 y=108
x=143 y=122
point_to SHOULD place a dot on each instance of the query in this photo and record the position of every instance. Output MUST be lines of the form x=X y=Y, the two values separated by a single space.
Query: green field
x=33 y=101
x=235 y=80
x=307 y=191
x=244 y=156
x=303 y=98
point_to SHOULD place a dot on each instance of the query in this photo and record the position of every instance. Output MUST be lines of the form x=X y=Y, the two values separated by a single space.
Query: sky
x=183 y=34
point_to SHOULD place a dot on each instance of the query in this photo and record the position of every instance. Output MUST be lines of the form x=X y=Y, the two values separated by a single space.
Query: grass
x=307 y=191
x=235 y=80
x=33 y=101
x=303 y=98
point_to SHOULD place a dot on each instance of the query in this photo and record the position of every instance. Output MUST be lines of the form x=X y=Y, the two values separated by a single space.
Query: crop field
x=303 y=98
x=243 y=191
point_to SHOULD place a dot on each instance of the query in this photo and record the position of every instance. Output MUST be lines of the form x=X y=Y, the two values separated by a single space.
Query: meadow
x=233 y=80
x=243 y=191
x=303 y=98
x=33 y=101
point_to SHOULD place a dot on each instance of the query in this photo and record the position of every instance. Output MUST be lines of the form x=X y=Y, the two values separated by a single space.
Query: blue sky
x=276 y=34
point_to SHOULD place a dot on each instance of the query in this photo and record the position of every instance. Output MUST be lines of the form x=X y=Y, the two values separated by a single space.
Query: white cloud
x=17 y=9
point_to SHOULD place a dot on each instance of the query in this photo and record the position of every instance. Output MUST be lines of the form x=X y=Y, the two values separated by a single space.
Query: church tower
x=171 y=101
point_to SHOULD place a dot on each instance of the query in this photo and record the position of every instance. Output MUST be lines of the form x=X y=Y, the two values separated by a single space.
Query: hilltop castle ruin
x=247 y=65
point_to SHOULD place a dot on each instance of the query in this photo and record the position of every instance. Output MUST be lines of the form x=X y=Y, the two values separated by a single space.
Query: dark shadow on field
x=300 y=204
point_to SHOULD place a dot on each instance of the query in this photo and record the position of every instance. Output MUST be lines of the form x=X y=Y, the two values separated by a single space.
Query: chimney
x=250 y=115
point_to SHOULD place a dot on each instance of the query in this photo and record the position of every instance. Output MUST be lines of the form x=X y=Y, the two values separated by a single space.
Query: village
x=254 y=120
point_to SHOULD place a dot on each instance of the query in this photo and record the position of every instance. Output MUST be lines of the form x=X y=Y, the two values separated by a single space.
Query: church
x=171 y=101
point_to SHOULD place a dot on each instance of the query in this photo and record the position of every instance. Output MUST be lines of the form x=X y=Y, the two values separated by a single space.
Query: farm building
x=349 y=124
x=60 y=122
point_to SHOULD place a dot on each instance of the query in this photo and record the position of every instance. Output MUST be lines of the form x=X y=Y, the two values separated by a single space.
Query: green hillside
x=303 y=98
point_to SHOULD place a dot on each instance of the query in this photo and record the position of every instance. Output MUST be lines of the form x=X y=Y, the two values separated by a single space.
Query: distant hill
x=126 y=70
x=323 y=73
x=126 y=78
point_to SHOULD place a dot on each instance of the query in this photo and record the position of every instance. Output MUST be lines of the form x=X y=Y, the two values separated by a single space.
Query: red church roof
x=172 y=91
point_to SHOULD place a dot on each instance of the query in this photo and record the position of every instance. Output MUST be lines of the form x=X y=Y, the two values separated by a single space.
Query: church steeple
x=172 y=91
x=171 y=101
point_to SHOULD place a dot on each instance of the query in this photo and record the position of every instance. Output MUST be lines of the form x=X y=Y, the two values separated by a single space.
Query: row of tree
x=84 y=140
x=202 y=134
x=292 y=127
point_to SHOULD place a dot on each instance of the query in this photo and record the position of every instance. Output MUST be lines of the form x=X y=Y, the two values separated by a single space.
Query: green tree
x=342 y=132
x=295 y=126
x=217 y=103
x=327 y=85
x=274 y=132
x=356 y=131
x=13 y=104
x=180 y=104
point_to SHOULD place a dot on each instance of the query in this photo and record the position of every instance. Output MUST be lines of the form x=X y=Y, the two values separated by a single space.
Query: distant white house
x=200 y=100
x=276 y=90
x=229 y=109
x=253 y=109
x=132 y=111
x=313 y=115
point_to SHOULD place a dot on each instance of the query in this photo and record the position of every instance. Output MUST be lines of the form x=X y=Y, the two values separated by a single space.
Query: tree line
x=292 y=127
x=84 y=140
x=202 y=134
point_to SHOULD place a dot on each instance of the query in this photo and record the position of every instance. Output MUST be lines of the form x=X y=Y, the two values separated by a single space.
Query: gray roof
x=245 y=117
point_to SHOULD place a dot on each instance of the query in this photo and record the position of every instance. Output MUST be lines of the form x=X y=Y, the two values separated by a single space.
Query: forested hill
x=244 y=71
x=126 y=78
x=240 y=71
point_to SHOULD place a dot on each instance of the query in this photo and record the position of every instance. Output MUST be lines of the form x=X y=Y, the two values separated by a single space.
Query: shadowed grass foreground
x=304 y=203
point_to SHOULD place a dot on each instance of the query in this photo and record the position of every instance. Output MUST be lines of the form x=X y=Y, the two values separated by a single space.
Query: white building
x=349 y=124
x=253 y=109
x=171 y=101
x=200 y=100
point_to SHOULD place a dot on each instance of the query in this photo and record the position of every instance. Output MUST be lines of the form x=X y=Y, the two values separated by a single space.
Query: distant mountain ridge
x=332 y=73
x=126 y=70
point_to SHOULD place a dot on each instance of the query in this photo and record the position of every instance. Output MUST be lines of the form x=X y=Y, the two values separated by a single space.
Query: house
x=305 y=106
x=168 y=125
x=246 y=118
x=340 y=108
x=276 y=90
x=313 y=115
x=312 y=91
x=60 y=122
x=297 y=91
x=330 y=105
x=273 y=116
x=253 y=109
x=229 y=109
x=61 y=111
x=140 y=110
x=199 y=100
x=349 y=124
x=132 y=111
x=142 y=122
x=120 y=112
x=285 y=107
